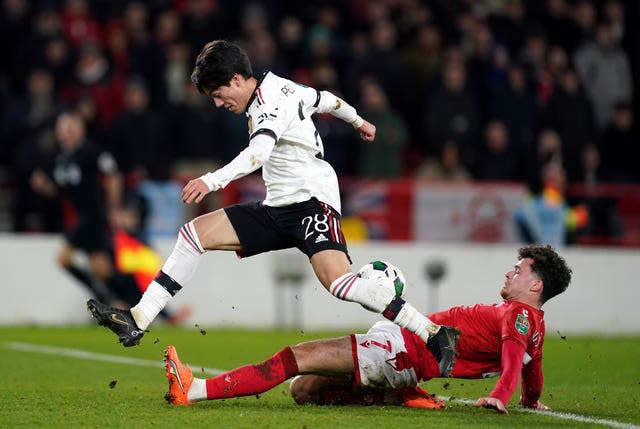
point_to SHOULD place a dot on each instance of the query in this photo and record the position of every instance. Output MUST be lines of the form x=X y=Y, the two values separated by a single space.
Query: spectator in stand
x=31 y=50
x=382 y=158
x=29 y=141
x=263 y=51
x=447 y=167
x=14 y=27
x=198 y=136
x=604 y=70
x=604 y=217
x=559 y=26
x=452 y=113
x=497 y=159
x=146 y=55
x=546 y=218
x=385 y=64
x=93 y=77
x=584 y=15
x=290 y=44
x=177 y=72
x=138 y=138
x=117 y=46
x=508 y=25
x=548 y=148
x=569 y=113
x=78 y=24
x=614 y=12
x=515 y=106
x=340 y=145
x=423 y=59
x=204 y=20
x=557 y=62
x=620 y=148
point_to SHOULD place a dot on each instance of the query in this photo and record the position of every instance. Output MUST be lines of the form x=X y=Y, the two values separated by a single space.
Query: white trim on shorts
x=375 y=357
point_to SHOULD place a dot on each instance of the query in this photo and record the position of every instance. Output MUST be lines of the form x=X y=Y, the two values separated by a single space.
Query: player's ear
x=536 y=285
x=236 y=80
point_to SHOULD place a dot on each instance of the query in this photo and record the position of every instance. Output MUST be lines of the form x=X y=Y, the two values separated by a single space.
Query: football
x=387 y=274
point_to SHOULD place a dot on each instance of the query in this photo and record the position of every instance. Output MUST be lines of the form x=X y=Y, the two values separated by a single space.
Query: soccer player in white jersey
x=302 y=206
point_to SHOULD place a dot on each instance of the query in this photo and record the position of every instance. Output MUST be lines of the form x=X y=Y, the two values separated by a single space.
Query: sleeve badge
x=522 y=324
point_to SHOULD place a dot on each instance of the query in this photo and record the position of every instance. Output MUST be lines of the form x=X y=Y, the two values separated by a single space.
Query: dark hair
x=217 y=63
x=550 y=267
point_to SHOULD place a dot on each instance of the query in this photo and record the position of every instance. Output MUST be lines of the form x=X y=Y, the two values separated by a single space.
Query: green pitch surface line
x=103 y=357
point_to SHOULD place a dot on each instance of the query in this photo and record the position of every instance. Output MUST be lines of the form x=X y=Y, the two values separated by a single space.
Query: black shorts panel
x=311 y=226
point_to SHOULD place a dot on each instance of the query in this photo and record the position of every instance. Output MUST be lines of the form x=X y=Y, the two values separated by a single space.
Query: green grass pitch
x=69 y=377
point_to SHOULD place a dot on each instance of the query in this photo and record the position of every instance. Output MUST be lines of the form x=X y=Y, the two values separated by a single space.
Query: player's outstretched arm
x=367 y=131
x=489 y=402
x=195 y=190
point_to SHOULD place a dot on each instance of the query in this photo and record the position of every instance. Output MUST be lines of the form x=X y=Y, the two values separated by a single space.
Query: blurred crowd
x=460 y=90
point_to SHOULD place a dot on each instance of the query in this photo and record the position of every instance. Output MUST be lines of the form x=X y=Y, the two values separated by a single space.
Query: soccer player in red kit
x=385 y=365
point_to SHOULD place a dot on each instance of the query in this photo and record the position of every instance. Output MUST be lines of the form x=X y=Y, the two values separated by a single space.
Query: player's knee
x=301 y=391
x=188 y=238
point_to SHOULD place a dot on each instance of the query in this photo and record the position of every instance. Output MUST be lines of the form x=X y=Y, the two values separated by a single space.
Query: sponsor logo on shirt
x=287 y=89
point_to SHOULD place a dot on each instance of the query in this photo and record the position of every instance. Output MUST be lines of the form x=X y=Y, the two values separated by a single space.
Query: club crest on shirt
x=522 y=324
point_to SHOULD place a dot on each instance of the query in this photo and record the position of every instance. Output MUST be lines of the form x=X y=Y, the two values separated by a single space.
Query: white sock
x=410 y=318
x=198 y=390
x=155 y=298
x=366 y=292
x=180 y=266
x=372 y=296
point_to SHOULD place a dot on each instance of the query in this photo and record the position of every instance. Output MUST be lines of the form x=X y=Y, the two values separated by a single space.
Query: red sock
x=253 y=379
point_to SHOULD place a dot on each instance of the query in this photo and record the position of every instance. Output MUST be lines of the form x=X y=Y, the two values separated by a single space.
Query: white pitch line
x=87 y=355
x=557 y=414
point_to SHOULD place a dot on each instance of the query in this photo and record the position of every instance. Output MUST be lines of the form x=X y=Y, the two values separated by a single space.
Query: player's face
x=232 y=97
x=518 y=281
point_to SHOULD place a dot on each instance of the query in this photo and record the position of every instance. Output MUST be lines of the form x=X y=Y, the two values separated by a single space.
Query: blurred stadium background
x=499 y=122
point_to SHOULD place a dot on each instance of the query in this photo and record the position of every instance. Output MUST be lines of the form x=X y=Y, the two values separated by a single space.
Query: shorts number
x=320 y=224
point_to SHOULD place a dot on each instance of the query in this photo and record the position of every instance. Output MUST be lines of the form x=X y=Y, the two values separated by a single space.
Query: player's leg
x=332 y=356
x=383 y=374
x=318 y=231
x=334 y=272
x=212 y=231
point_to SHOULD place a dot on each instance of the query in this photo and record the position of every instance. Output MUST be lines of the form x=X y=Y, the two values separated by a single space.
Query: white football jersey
x=295 y=170
x=285 y=143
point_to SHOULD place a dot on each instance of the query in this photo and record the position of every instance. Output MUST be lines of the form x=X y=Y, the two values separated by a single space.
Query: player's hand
x=490 y=402
x=367 y=131
x=195 y=190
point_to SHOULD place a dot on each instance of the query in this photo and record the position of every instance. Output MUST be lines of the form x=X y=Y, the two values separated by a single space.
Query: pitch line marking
x=87 y=355
x=557 y=414
x=103 y=357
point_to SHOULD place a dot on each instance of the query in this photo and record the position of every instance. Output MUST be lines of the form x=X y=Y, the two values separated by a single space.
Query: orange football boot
x=417 y=397
x=180 y=378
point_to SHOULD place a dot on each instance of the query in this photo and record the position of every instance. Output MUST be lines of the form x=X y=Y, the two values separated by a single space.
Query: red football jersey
x=484 y=330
